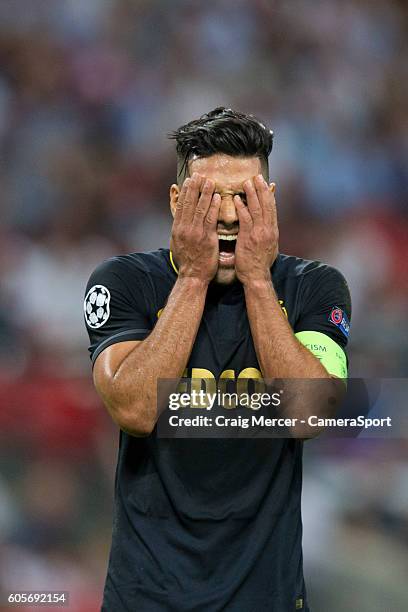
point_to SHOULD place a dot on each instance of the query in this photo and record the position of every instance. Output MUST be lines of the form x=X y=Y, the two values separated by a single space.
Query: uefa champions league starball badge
x=96 y=306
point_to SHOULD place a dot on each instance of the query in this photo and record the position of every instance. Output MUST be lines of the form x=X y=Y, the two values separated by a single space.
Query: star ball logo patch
x=96 y=306
x=339 y=318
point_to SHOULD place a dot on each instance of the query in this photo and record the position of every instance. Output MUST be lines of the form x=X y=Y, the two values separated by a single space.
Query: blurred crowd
x=89 y=91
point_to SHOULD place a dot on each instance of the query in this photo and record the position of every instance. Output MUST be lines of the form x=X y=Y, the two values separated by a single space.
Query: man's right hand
x=194 y=240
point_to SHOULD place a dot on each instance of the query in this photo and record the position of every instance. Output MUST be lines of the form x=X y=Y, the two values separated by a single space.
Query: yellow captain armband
x=330 y=354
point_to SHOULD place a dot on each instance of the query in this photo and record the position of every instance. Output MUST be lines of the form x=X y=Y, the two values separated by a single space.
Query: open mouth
x=227 y=244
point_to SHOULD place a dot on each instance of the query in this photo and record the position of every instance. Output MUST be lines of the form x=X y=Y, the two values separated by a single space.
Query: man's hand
x=257 y=242
x=194 y=240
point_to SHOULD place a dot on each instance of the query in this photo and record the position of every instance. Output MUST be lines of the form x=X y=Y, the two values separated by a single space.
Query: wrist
x=258 y=284
x=195 y=282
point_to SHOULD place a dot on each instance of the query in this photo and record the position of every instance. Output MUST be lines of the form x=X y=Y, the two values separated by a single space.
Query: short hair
x=222 y=130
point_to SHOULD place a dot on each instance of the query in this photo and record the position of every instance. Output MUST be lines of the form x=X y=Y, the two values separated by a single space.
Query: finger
x=244 y=216
x=266 y=199
x=272 y=188
x=204 y=202
x=191 y=198
x=254 y=206
x=180 y=202
x=212 y=216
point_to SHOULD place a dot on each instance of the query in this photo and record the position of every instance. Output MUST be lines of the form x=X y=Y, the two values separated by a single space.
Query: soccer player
x=210 y=524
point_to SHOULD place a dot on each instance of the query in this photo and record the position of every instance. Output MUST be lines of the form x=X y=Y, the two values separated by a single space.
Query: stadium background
x=88 y=91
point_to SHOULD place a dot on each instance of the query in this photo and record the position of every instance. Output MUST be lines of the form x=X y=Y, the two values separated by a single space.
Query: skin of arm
x=126 y=374
x=279 y=352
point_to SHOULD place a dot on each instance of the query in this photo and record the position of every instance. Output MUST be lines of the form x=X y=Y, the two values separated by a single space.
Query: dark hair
x=222 y=130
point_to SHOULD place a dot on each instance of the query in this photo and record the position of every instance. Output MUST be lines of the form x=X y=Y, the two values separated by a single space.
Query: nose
x=228 y=213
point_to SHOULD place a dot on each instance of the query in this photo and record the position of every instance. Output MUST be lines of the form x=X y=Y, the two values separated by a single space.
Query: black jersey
x=207 y=524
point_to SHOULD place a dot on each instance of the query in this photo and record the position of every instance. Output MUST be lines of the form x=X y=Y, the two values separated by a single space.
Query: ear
x=174 y=196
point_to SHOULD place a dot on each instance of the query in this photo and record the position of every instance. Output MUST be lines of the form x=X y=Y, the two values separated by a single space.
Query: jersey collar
x=173 y=265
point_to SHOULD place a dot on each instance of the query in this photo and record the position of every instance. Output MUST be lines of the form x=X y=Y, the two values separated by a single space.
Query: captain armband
x=331 y=355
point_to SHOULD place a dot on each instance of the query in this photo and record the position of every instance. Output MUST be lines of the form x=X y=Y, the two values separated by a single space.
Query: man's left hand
x=258 y=236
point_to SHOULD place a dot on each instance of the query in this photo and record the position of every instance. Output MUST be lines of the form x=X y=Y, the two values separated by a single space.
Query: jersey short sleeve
x=323 y=324
x=116 y=305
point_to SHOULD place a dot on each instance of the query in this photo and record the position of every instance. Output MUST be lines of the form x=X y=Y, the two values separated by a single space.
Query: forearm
x=162 y=355
x=280 y=354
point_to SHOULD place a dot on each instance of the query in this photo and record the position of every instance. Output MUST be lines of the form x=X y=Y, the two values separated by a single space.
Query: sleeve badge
x=96 y=306
x=339 y=318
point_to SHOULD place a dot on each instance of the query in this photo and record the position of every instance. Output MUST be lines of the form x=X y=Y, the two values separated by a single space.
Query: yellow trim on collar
x=173 y=264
